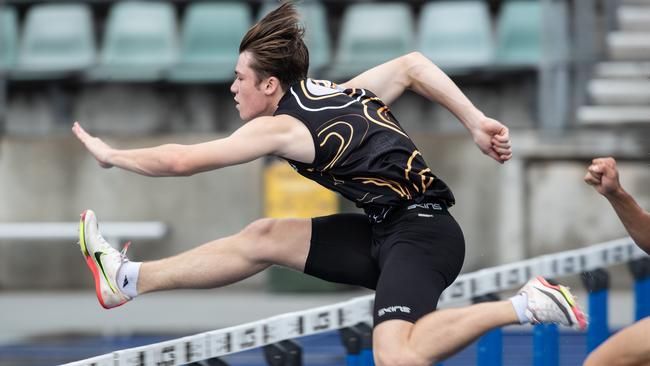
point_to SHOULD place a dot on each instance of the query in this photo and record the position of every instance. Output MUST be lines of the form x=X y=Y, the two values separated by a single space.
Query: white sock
x=127 y=278
x=519 y=302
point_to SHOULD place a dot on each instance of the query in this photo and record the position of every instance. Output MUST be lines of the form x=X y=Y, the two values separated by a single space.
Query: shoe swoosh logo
x=98 y=259
x=562 y=307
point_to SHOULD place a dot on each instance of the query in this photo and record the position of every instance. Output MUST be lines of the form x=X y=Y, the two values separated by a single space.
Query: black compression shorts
x=408 y=259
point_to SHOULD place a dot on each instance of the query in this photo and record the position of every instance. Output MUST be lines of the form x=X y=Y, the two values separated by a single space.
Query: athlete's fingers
x=596 y=174
x=494 y=155
x=592 y=179
x=506 y=157
x=595 y=168
x=80 y=132
x=503 y=135
x=502 y=151
x=502 y=144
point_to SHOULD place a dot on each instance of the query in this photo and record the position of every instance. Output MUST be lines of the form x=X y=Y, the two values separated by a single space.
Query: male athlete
x=630 y=346
x=407 y=246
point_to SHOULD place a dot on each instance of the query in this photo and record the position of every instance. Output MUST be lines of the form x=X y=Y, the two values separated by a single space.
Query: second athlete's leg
x=628 y=347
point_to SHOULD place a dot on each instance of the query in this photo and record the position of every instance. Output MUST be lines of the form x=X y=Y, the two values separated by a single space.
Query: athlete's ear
x=271 y=84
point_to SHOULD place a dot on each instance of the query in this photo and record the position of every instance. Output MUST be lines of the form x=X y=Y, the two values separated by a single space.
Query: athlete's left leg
x=442 y=333
x=439 y=334
x=413 y=275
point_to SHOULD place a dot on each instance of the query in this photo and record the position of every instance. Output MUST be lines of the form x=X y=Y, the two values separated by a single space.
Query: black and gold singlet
x=362 y=152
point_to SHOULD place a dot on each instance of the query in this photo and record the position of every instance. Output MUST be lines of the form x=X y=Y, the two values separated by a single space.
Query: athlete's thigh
x=340 y=250
x=277 y=241
x=417 y=262
x=629 y=347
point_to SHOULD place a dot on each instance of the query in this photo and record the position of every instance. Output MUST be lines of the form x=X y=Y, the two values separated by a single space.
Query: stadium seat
x=8 y=37
x=140 y=42
x=457 y=35
x=210 y=41
x=519 y=33
x=317 y=33
x=57 y=39
x=372 y=33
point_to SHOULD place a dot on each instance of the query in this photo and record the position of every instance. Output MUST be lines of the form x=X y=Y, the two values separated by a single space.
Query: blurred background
x=570 y=78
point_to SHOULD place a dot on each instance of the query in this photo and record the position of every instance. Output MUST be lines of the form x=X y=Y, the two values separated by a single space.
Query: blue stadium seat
x=210 y=42
x=140 y=42
x=57 y=39
x=372 y=34
x=8 y=37
x=520 y=28
x=519 y=33
x=457 y=35
x=317 y=34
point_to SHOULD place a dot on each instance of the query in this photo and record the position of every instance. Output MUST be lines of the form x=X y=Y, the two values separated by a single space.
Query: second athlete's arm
x=602 y=174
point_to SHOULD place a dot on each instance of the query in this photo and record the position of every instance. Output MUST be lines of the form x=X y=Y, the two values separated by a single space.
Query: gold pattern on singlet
x=325 y=83
x=425 y=181
x=309 y=96
x=395 y=186
x=386 y=122
x=345 y=141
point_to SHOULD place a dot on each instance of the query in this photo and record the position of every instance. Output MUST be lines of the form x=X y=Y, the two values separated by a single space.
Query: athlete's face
x=253 y=97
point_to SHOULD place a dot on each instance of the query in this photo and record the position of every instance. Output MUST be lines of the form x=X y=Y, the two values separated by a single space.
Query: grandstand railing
x=469 y=286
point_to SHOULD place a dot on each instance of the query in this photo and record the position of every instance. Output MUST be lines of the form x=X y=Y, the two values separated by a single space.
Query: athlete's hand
x=603 y=176
x=98 y=148
x=493 y=138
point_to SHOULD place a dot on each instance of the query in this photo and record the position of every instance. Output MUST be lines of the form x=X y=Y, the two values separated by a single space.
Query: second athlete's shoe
x=549 y=302
x=103 y=260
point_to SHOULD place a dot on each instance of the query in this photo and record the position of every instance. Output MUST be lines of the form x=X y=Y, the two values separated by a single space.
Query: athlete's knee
x=259 y=237
x=260 y=229
x=398 y=356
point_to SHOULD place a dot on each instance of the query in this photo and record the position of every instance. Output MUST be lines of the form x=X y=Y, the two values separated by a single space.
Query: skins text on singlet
x=362 y=152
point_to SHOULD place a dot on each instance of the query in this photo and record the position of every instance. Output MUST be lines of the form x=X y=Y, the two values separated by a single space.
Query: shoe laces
x=121 y=255
x=125 y=247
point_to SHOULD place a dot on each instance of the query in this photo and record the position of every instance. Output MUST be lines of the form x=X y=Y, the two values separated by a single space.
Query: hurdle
x=352 y=318
x=68 y=231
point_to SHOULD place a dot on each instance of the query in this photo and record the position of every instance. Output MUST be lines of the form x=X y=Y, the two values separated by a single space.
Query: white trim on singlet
x=363 y=92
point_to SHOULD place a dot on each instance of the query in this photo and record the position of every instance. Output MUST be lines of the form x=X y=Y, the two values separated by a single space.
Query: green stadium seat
x=317 y=34
x=456 y=36
x=371 y=34
x=57 y=39
x=8 y=37
x=140 y=42
x=210 y=42
x=519 y=39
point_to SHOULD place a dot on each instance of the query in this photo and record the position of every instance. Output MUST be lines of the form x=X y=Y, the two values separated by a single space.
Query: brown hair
x=277 y=46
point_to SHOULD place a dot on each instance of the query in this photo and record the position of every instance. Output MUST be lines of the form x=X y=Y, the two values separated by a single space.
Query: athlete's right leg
x=221 y=262
x=231 y=259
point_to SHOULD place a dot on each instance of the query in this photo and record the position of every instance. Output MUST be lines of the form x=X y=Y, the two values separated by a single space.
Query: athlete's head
x=272 y=56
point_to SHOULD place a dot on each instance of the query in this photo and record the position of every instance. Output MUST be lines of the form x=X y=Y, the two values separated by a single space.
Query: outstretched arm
x=257 y=138
x=603 y=176
x=414 y=71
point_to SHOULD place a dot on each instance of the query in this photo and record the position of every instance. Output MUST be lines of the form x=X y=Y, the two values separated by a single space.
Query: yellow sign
x=288 y=194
